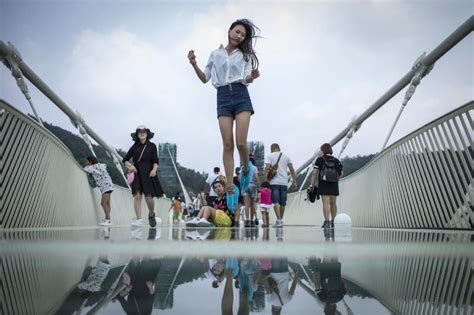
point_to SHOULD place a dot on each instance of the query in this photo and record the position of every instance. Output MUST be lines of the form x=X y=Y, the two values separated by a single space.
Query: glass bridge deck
x=293 y=270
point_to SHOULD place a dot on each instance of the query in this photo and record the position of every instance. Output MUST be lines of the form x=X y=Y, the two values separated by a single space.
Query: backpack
x=329 y=172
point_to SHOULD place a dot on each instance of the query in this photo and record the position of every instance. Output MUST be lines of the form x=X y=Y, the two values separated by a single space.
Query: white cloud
x=321 y=64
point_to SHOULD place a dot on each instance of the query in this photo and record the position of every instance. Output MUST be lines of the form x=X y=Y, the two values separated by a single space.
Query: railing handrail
x=8 y=51
x=12 y=110
x=428 y=60
x=463 y=108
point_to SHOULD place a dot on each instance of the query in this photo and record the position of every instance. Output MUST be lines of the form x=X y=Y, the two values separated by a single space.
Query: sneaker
x=278 y=224
x=252 y=223
x=256 y=221
x=151 y=234
x=325 y=225
x=203 y=223
x=192 y=235
x=106 y=232
x=106 y=223
x=331 y=224
x=193 y=222
x=152 y=220
x=137 y=233
x=138 y=222
x=237 y=224
x=247 y=223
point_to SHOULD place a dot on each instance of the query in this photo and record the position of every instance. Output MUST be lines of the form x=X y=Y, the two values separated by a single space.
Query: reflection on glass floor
x=294 y=270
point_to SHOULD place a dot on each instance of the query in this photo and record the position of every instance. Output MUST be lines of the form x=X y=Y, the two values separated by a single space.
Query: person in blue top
x=231 y=69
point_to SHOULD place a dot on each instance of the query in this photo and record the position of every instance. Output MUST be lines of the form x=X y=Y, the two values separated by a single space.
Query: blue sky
x=123 y=63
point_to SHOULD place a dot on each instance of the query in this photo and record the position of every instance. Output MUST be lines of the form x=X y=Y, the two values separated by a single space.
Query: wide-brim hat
x=134 y=135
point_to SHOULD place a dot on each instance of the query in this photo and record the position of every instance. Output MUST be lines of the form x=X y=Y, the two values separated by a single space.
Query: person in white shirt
x=231 y=69
x=279 y=183
x=211 y=195
x=104 y=182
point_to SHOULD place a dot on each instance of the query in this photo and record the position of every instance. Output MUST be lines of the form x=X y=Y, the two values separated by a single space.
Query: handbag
x=272 y=171
x=131 y=175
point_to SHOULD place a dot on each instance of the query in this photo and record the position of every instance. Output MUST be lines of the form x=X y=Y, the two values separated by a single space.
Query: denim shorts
x=233 y=99
x=279 y=194
x=250 y=191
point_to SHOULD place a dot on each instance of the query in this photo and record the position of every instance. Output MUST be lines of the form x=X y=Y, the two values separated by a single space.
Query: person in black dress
x=145 y=165
x=327 y=169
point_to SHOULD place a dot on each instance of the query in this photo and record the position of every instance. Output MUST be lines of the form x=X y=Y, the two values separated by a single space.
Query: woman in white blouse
x=231 y=69
x=104 y=182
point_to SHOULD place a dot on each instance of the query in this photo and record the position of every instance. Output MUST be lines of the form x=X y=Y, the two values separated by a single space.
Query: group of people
x=231 y=69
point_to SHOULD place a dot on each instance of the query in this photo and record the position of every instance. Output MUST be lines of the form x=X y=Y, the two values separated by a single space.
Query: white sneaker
x=193 y=222
x=203 y=223
x=137 y=233
x=278 y=224
x=106 y=223
x=138 y=222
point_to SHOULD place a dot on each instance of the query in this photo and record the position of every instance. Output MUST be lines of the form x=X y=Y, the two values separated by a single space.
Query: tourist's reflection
x=139 y=280
x=90 y=288
x=328 y=283
x=276 y=281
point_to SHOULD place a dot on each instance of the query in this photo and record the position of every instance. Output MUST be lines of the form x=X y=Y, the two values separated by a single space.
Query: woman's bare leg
x=326 y=207
x=137 y=203
x=242 y=123
x=105 y=202
x=226 y=125
x=151 y=205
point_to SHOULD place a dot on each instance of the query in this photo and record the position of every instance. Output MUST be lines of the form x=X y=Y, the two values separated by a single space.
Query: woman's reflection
x=328 y=283
x=139 y=279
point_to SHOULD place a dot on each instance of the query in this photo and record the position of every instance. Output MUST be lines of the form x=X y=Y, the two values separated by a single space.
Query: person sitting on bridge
x=219 y=213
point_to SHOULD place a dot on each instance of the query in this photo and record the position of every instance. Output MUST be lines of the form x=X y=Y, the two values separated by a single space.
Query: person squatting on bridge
x=327 y=169
x=145 y=166
x=219 y=213
x=104 y=182
x=231 y=69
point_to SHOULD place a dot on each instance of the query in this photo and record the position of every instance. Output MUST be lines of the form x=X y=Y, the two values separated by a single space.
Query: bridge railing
x=424 y=180
x=42 y=184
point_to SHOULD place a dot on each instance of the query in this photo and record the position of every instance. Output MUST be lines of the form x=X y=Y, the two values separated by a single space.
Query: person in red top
x=265 y=197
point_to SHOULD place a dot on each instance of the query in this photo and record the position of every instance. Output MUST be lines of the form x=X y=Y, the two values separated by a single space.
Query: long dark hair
x=92 y=159
x=251 y=34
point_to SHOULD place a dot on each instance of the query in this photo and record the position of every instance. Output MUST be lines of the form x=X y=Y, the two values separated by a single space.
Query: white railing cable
x=11 y=62
x=185 y=191
x=9 y=52
x=421 y=71
x=427 y=61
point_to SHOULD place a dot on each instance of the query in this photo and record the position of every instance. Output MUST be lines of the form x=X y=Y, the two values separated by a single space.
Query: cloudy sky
x=123 y=63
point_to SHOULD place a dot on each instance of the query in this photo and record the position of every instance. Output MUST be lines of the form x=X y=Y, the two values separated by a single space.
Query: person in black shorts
x=327 y=170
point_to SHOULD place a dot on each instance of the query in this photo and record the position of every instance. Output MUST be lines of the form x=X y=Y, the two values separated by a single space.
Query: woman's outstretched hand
x=192 y=57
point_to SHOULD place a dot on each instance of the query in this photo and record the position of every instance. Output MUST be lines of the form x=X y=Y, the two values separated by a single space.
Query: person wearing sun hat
x=145 y=180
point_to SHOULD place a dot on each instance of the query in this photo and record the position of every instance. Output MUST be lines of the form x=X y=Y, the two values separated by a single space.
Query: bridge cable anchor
x=11 y=61
x=420 y=70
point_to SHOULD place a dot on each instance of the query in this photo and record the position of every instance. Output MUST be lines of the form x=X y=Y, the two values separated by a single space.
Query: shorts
x=250 y=191
x=175 y=215
x=233 y=99
x=279 y=194
x=222 y=219
x=264 y=208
